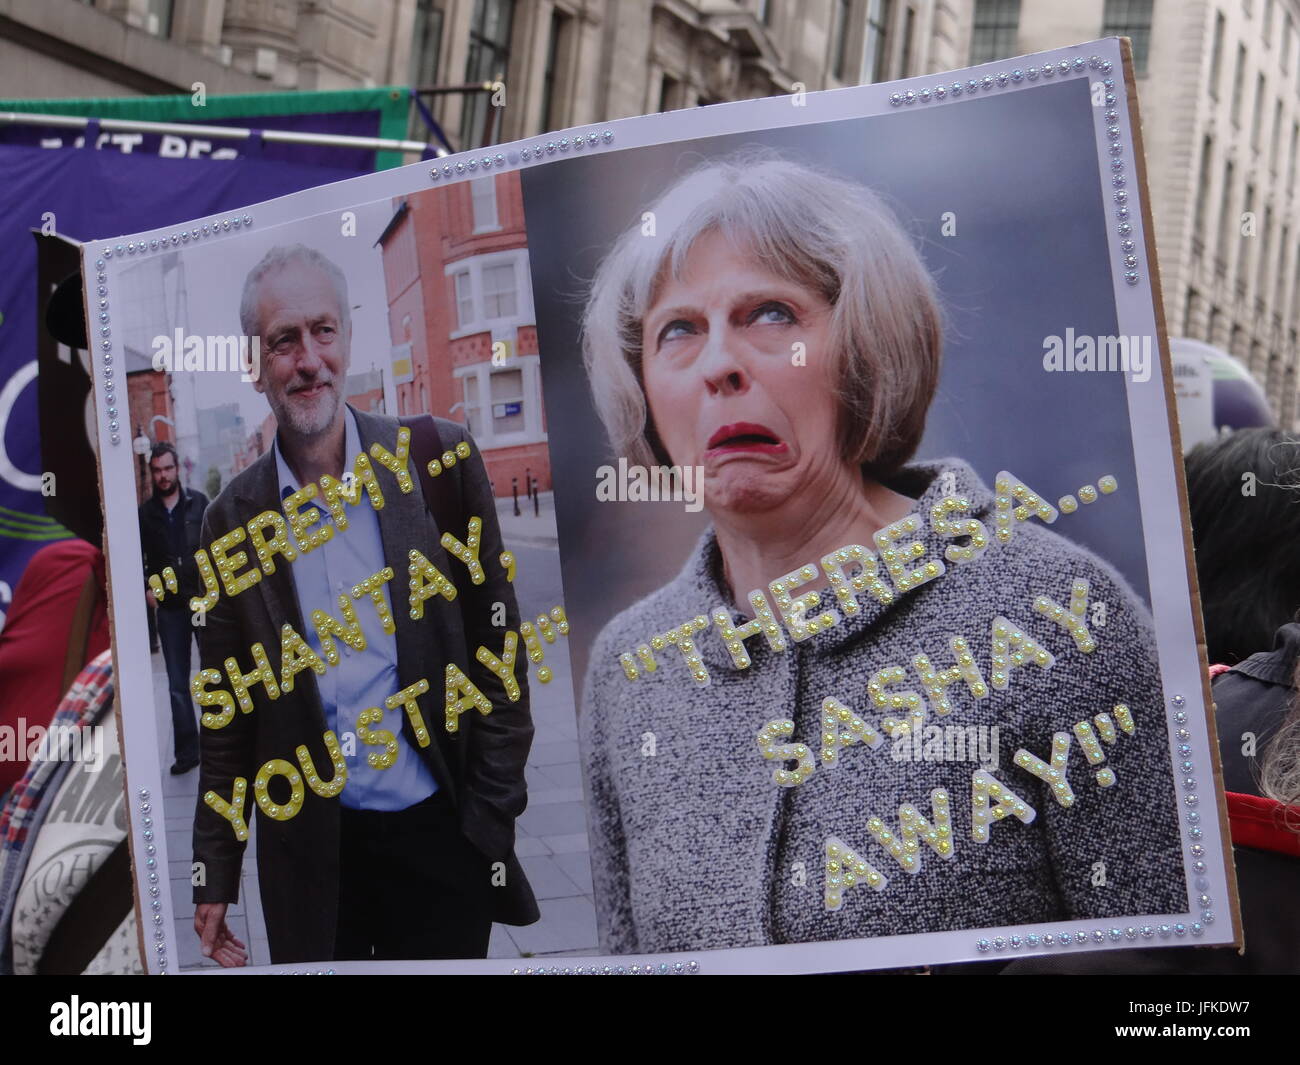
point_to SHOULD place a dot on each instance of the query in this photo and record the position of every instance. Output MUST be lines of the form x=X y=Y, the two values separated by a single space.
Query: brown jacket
x=480 y=767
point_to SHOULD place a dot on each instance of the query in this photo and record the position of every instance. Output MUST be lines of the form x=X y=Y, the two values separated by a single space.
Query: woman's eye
x=772 y=314
x=675 y=331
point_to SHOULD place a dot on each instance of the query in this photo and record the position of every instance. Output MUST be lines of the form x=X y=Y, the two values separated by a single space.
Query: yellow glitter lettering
x=907 y=701
x=326 y=789
x=425 y=581
x=841 y=728
x=1072 y=620
x=936 y=682
x=734 y=635
x=798 y=753
x=1005 y=803
x=209 y=577
x=1053 y=775
x=278 y=767
x=845 y=869
x=265 y=549
x=503 y=667
x=242 y=682
x=905 y=845
x=867 y=578
x=379 y=737
x=944 y=526
x=349 y=630
x=1014 y=648
x=216 y=697
x=395 y=464
x=227 y=563
x=895 y=558
x=336 y=493
x=1010 y=490
x=468 y=551
x=301 y=522
x=232 y=811
x=406 y=699
x=794 y=610
x=462 y=695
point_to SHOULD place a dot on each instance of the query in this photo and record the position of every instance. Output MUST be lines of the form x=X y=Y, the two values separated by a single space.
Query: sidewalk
x=529 y=529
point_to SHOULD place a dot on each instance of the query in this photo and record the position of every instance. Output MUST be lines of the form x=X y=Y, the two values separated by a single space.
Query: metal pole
x=270 y=136
x=514 y=491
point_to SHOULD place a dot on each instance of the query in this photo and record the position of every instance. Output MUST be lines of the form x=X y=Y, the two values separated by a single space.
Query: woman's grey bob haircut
x=832 y=235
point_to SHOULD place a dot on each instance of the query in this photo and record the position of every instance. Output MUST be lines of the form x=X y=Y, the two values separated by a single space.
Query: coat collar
x=701 y=583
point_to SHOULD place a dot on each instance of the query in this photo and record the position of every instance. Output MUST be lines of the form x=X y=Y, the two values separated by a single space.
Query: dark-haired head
x=1244 y=495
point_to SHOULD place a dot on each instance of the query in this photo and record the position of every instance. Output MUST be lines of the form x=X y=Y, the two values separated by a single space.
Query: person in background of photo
x=1246 y=562
x=781 y=331
x=1241 y=496
x=171 y=520
x=413 y=859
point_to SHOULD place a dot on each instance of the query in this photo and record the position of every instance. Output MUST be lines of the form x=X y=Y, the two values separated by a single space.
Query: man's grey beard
x=287 y=415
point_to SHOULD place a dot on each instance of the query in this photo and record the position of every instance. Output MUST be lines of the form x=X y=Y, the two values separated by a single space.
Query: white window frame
x=473 y=267
x=533 y=432
x=476 y=189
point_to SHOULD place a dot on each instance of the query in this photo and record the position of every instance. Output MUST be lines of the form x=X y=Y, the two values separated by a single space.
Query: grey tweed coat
x=695 y=847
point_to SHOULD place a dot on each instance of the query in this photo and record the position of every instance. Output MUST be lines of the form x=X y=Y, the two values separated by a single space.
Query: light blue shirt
x=362 y=679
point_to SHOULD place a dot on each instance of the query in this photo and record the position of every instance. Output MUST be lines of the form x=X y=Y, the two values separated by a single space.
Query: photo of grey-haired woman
x=781 y=332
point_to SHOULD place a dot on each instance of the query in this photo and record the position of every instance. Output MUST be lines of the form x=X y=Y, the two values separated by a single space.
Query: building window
x=765 y=12
x=1290 y=166
x=668 y=93
x=1225 y=214
x=1261 y=278
x=877 y=43
x=1238 y=84
x=1257 y=114
x=483 y=198
x=1131 y=19
x=997 y=22
x=158 y=17
x=492 y=292
x=464 y=299
x=488 y=61
x=840 y=39
x=1203 y=189
x=1277 y=137
x=503 y=404
x=507 y=395
x=1189 y=312
x=1243 y=270
x=1216 y=53
x=426 y=43
x=1212 y=326
x=557 y=58
x=909 y=33
x=500 y=298
x=1285 y=55
x=1279 y=286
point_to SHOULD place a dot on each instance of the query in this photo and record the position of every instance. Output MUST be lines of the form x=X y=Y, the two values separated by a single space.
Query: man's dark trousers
x=175 y=633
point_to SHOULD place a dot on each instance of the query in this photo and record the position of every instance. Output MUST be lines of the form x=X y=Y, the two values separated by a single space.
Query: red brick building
x=149 y=395
x=460 y=313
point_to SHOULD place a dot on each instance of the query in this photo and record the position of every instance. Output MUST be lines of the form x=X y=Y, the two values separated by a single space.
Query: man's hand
x=148 y=597
x=215 y=937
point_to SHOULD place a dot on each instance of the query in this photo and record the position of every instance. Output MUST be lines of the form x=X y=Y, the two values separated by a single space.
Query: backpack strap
x=79 y=632
x=440 y=494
